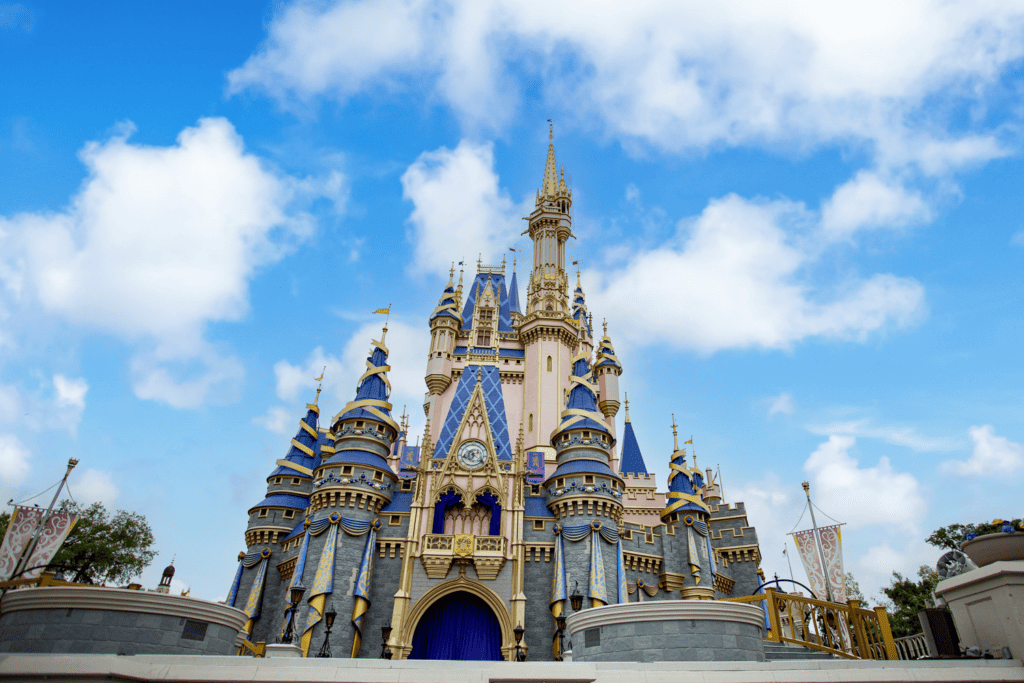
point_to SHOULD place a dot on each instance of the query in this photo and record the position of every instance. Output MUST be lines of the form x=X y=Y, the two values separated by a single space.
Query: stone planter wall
x=86 y=619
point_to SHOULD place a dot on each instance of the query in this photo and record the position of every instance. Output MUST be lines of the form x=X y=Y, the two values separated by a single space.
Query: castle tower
x=549 y=334
x=165 y=580
x=607 y=371
x=584 y=493
x=444 y=328
x=687 y=547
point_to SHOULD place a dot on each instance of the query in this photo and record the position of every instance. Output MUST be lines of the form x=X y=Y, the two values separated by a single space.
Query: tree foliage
x=853 y=590
x=908 y=597
x=101 y=548
x=953 y=535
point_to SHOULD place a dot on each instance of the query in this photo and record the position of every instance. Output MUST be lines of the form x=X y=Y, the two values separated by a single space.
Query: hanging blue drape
x=449 y=499
x=491 y=501
x=458 y=626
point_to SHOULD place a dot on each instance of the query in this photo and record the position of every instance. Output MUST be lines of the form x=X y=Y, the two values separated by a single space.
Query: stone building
x=520 y=493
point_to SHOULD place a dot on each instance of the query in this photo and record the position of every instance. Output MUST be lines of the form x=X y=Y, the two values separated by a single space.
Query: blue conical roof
x=371 y=401
x=632 y=461
x=513 y=295
x=581 y=409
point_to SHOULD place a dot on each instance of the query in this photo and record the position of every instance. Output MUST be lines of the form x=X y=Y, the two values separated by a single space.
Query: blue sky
x=802 y=222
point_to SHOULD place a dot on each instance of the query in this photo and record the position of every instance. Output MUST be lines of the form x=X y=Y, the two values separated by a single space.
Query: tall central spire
x=550 y=185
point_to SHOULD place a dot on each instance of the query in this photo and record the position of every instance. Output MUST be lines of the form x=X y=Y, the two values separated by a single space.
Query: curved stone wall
x=669 y=631
x=87 y=619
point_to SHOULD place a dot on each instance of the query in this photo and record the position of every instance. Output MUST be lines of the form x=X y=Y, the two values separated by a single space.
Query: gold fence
x=254 y=649
x=843 y=630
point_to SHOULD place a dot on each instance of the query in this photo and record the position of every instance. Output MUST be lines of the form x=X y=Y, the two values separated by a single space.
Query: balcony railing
x=842 y=630
x=485 y=553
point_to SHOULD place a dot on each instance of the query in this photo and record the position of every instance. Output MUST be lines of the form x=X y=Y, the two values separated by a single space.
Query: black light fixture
x=576 y=598
x=560 y=626
x=385 y=634
x=295 y=593
x=518 y=632
x=325 y=649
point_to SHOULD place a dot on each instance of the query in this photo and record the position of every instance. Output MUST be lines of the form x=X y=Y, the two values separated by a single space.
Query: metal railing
x=838 y=629
x=247 y=647
x=912 y=647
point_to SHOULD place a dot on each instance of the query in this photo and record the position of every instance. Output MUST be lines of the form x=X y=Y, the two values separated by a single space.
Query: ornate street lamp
x=295 y=594
x=325 y=649
x=576 y=599
x=560 y=625
x=518 y=631
x=385 y=634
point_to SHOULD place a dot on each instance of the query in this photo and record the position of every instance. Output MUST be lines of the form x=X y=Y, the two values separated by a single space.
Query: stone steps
x=774 y=652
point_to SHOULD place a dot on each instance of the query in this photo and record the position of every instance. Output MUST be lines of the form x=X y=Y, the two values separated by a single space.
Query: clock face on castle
x=472 y=455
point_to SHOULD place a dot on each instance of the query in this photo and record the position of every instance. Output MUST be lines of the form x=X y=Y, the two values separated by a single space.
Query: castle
x=521 y=494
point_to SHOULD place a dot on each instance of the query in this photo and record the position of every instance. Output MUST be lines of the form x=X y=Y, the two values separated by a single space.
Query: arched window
x=549 y=363
x=531 y=422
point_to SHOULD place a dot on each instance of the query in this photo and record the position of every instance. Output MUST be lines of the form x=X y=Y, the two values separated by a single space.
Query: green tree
x=853 y=590
x=906 y=598
x=101 y=548
x=953 y=535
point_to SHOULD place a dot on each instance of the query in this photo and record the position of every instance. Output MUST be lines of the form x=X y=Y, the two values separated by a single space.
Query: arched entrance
x=459 y=625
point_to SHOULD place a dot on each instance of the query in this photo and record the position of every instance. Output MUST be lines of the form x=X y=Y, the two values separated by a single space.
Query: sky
x=803 y=223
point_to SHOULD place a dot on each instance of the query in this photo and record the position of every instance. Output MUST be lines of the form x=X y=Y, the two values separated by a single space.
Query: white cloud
x=868 y=201
x=70 y=400
x=898 y=435
x=733 y=278
x=1017 y=239
x=14 y=460
x=405 y=357
x=278 y=420
x=161 y=241
x=186 y=380
x=10 y=403
x=783 y=403
x=862 y=496
x=456 y=193
x=94 y=486
x=674 y=75
x=993 y=456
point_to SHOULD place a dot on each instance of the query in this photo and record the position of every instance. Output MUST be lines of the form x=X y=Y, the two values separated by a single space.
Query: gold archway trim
x=460 y=583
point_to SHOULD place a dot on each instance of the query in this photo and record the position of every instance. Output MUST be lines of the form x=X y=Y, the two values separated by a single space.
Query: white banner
x=19 y=532
x=832 y=548
x=808 y=548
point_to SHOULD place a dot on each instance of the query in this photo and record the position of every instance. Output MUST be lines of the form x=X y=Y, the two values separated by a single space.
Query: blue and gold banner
x=621 y=568
x=233 y=593
x=323 y=583
x=535 y=467
x=363 y=586
x=300 y=567
x=254 y=603
x=597 y=591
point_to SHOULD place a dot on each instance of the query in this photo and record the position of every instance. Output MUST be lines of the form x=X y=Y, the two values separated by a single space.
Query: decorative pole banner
x=300 y=567
x=535 y=467
x=255 y=601
x=559 y=593
x=808 y=549
x=56 y=530
x=19 y=532
x=623 y=586
x=832 y=548
x=597 y=584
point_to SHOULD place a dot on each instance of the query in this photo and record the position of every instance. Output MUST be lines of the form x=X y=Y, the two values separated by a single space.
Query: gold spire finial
x=605 y=324
x=479 y=261
x=550 y=188
x=319 y=385
x=479 y=374
x=502 y=264
x=451 y=274
x=383 y=333
x=675 y=435
x=694 y=453
x=551 y=131
x=627 y=406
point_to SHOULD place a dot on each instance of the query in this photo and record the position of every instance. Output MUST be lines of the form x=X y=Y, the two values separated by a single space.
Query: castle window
x=588 y=479
x=263 y=512
x=535 y=490
x=538 y=525
x=531 y=422
x=378 y=476
x=359 y=423
x=560 y=483
x=486 y=314
x=483 y=339
x=347 y=469
x=627 y=535
x=277 y=480
x=289 y=514
x=296 y=481
x=549 y=357
x=407 y=484
x=395 y=520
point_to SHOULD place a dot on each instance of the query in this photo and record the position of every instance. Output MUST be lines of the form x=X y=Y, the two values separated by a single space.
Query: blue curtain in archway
x=448 y=499
x=491 y=501
x=458 y=626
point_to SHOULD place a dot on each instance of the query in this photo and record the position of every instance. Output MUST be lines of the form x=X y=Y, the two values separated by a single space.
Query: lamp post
x=325 y=649
x=295 y=593
x=385 y=634
x=576 y=598
x=560 y=625
x=518 y=631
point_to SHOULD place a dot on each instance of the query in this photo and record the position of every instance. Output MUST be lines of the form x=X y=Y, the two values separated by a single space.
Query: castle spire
x=626 y=395
x=550 y=186
x=675 y=434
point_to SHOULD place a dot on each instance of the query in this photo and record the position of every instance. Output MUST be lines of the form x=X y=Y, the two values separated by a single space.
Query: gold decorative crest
x=463 y=545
